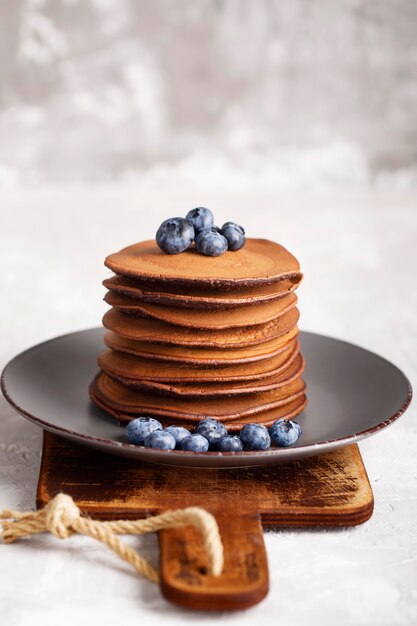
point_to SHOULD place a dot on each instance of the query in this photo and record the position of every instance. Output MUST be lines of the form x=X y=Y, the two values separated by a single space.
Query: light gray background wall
x=284 y=94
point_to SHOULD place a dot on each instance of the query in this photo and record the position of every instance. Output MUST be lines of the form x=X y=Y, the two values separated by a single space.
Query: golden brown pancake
x=200 y=298
x=260 y=261
x=155 y=331
x=218 y=390
x=118 y=364
x=127 y=400
x=201 y=356
x=251 y=315
x=287 y=411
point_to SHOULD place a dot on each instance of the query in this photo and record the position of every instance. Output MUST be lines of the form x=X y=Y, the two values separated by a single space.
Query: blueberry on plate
x=175 y=235
x=160 y=439
x=138 y=429
x=255 y=437
x=285 y=432
x=178 y=432
x=195 y=443
x=212 y=430
x=234 y=234
x=200 y=218
x=230 y=443
x=210 y=242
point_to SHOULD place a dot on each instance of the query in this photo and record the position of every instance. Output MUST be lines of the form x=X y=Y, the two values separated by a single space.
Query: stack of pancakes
x=190 y=336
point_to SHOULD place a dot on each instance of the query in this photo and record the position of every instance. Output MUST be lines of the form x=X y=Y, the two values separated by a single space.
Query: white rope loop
x=63 y=518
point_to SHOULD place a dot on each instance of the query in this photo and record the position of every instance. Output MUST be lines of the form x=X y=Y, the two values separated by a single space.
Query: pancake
x=218 y=390
x=251 y=315
x=200 y=356
x=200 y=298
x=259 y=262
x=287 y=411
x=122 y=365
x=155 y=331
x=127 y=400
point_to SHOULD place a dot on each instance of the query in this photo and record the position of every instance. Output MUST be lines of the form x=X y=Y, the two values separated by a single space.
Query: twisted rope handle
x=63 y=518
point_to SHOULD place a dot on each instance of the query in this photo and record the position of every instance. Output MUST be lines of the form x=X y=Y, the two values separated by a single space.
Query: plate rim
x=154 y=454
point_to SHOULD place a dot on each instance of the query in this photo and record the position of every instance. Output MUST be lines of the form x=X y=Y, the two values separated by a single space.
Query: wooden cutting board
x=328 y=490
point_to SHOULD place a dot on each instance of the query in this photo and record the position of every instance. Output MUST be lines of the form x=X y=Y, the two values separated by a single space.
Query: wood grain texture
x=244 y=581
x=329 y=490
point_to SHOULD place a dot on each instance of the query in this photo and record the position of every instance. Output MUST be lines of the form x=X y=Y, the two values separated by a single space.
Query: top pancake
x=260 y=261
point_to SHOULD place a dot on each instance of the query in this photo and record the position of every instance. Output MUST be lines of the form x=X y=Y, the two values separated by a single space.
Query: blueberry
x=160 y=439
x=212 y=430
x=178 y=432
x=210 y=242
x=138 y=429
x=230 y=443
x=285 y=432
x=234 y=234
x=195 y=443
x=175 y=235
x=255 y=437
x=201 y=218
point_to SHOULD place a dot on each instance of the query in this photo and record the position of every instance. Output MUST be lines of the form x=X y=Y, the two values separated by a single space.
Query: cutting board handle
x=183 y=565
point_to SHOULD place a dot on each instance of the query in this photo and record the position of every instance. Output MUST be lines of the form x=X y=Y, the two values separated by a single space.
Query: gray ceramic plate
x=352 y=394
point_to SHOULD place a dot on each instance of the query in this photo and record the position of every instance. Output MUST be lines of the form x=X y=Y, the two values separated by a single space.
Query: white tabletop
x=358 y=251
